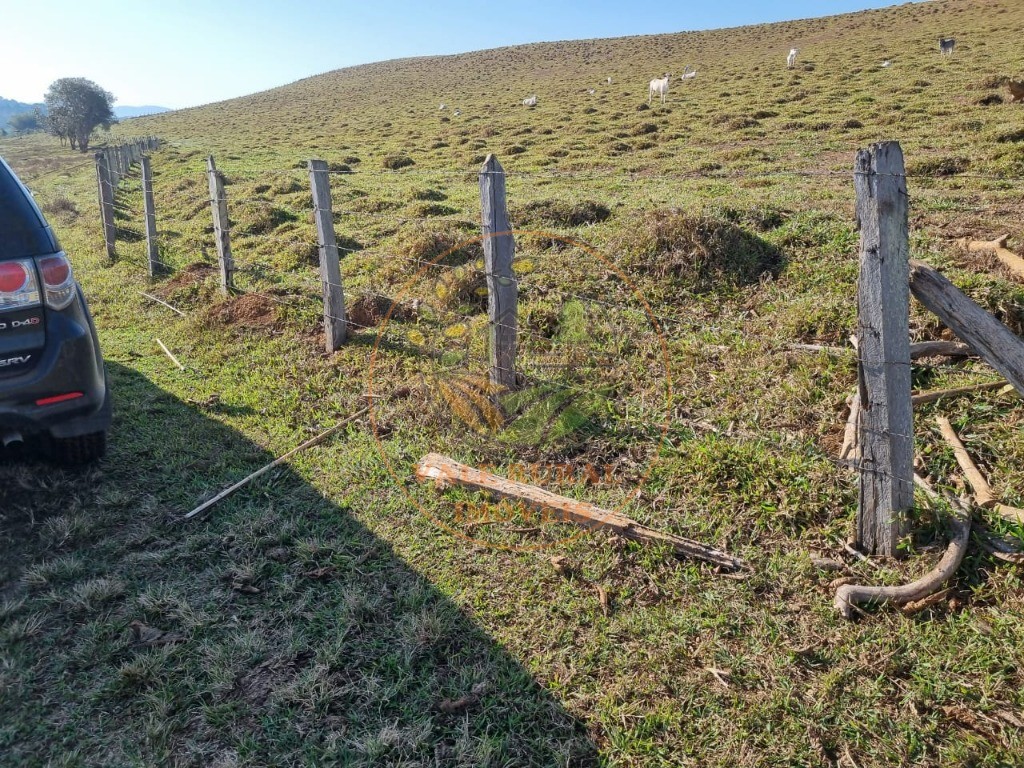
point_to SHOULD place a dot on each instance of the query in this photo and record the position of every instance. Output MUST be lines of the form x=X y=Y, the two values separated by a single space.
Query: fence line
x=885 y=430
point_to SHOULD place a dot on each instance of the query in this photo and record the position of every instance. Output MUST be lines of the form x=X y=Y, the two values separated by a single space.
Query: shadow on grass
x=276 y=631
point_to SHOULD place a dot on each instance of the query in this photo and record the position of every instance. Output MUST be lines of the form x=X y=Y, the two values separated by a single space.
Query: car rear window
x=23 y=232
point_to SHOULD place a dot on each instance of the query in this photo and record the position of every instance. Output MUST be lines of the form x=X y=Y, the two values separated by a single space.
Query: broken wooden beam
x=1010 y=260
x=992 y=340
x=445 y=471
x=919 y=398
x=276 y=462
x=940 y=348
x=983 y=493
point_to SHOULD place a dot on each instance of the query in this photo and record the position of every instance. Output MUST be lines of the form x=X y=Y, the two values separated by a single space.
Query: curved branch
x=848 y=596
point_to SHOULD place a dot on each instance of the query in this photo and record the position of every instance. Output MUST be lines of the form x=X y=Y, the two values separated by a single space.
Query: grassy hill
x=334 y=612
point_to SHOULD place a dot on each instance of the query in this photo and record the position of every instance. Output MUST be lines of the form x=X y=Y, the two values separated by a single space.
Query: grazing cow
x=946 y=45
x=1016 y=90
x=791 y=59
x=660 y=87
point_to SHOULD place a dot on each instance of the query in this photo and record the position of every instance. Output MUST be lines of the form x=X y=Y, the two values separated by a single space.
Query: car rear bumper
x=70 y=363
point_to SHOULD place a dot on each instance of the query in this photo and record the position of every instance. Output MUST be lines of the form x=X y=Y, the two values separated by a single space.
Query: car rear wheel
x=81 y=449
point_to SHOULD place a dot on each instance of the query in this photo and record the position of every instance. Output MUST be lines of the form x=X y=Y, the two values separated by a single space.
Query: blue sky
x=180 y=53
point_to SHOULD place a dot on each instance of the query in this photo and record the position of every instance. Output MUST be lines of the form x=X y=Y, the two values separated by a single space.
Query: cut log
x=930 y=397
x=1011 y=260
x=917 y=349
x=849 y=596
x=939 y=349
x=983 y=493
x=445 y=471
x=992 y=340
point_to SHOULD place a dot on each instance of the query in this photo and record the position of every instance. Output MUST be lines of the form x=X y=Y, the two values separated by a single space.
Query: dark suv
x=53 y=386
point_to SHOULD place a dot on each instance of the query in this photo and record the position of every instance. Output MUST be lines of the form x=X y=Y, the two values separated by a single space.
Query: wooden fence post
x=147 y=198
x=335 y=325
x=885 y=431
x=106 y=198
x=502 y=290
x=221 y=233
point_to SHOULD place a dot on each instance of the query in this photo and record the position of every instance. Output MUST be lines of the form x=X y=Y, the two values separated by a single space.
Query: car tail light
x=58 y=282
x=18 y=285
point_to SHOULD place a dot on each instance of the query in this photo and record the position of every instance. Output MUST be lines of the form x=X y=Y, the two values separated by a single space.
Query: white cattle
x=791 y=59
x=530 y=101
x=688 y=74
x=660 y=87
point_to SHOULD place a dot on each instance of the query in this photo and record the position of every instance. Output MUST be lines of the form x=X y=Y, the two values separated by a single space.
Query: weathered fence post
x=502 y=290
x=885 y=431
x=221 y=233
x=335 y=325
x=106 y=197
x=147 y=198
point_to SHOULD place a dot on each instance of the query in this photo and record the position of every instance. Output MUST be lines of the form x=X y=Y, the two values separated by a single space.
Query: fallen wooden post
x=939 y=349
x=167 y=352
x=917 y=349
x=849 y=596
x=161 y=301
x=276 y=462
x=992 y=340
x=445 y=471
x=998 y=246
x=930 y=397
x=983 y=493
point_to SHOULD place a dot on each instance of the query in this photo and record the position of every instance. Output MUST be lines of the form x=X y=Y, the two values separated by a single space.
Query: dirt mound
x=248 y=310
x=369 y=311
x=196 y=272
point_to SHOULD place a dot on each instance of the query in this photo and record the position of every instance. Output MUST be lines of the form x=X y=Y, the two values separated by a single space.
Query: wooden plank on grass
x=445 y=471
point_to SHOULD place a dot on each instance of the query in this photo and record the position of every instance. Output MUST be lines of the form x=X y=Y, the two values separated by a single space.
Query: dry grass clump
x=938 y=166
x=61 y=206
x=371 y=309
x=559 y=213
x=442 y=244
x=429 y=195
x=465 y=285
x=701 y=250
x=425 y=210
x=257 y=218
x=397 y=160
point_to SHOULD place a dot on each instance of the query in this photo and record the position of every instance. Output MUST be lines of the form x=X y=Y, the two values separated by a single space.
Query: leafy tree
x=26 y=122
x=75 y=107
